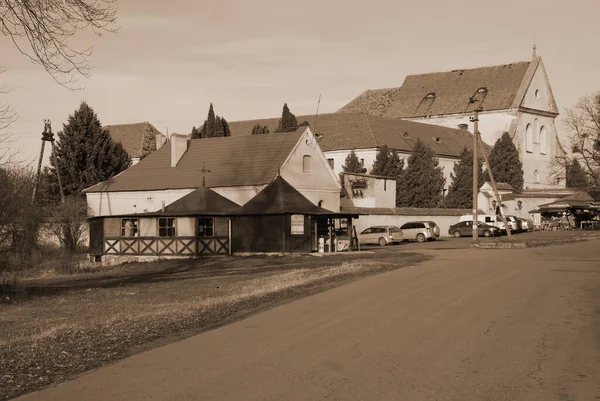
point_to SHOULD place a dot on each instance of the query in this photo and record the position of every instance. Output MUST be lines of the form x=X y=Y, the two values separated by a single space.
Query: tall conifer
x=422 y=182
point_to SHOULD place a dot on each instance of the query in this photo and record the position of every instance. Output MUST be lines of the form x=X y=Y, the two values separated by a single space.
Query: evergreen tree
x=149 y=142
x=422 y=182
x=86 y=153
x=214 y=126
x=195 y=133
x=387 y=163
x=460 y=193
x=352 y=164
x=575 y=175
x=208 y=128
x=287 y=122
x=260 y=129
x=505 y=163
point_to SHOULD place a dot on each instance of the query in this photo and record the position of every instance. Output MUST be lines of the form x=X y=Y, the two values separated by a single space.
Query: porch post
x=229 y=234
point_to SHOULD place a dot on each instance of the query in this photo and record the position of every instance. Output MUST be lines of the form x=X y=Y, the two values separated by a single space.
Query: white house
x=516 y=98
x=237 y=168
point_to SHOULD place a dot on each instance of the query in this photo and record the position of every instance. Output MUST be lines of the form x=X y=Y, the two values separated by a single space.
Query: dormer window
x=430 y=95
x=482 y=90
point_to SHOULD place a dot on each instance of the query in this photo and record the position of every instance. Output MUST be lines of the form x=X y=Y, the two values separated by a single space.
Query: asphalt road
x=472 y=324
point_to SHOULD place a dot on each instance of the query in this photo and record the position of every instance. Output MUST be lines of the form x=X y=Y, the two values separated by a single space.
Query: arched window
x=306 y=167
x=529 y=138
x=536 y=131
x=543 y=140
x=536 y=177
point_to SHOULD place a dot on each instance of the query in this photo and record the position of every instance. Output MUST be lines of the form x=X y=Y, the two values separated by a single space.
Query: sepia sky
x=170 y=59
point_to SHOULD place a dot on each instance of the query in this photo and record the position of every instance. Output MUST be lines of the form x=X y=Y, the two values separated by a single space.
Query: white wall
x=365 y=221
x=319 y=184
x=369 y=155
x=379 y=192
x=128 y=202
x=493 y=124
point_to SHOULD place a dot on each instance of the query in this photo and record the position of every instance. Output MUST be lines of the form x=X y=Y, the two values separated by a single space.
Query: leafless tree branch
x=583 y=124
x=42 y=29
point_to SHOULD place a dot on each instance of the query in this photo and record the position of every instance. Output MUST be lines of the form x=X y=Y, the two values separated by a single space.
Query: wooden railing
x=161 y=246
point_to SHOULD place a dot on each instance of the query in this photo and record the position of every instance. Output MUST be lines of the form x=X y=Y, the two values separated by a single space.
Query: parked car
x=381 y=235
x=487 y=219
x=420 y=230
x=465 y=228
x=526 y=224
x=514 y=223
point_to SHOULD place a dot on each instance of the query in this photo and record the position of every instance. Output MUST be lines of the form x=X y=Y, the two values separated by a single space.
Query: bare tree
x=7 y=117
x=42 y=29
x=583 y=123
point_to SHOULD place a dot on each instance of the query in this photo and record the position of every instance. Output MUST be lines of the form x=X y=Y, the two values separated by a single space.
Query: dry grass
x=59 y=326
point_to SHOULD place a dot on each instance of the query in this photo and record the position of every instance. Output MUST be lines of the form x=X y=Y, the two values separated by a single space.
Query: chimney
x=463 y=126
x=160 y=140
x=179 y=145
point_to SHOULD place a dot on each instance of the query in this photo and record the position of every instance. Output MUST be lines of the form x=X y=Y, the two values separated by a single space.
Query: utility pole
x=475 y=120
x=495 y=189
x=47 y=136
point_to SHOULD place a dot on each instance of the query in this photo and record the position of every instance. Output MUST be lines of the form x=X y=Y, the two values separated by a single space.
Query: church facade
x=516 y=98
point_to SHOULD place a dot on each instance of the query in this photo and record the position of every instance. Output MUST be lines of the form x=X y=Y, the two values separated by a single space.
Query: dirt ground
x=57 y=327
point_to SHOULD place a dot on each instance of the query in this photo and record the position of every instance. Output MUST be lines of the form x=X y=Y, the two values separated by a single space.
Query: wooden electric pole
x=475 y=121
x=47 y=136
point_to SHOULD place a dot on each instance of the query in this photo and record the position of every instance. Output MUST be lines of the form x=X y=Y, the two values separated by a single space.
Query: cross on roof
x=203 y=170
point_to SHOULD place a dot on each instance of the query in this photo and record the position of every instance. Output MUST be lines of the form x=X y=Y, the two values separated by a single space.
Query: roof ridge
x=470 y=69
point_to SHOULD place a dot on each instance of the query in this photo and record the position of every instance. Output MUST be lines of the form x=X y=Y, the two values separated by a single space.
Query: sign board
x=297 y=224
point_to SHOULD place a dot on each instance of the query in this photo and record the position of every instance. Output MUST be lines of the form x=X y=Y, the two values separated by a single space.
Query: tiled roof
x=442 y=93
x=363 y=131
x=280 y=197
x=202 y=201
x=131 y=136
x=232 y=161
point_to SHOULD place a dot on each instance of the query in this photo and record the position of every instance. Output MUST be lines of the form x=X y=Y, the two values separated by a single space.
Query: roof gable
x=279 y=197
x=442 y=93
x=131 y=136
x=536 y=92
x=202 y=201
x=233 y=161
x=346 y=131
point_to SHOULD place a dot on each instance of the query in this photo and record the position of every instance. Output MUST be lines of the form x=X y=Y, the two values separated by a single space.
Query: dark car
x=465 y=228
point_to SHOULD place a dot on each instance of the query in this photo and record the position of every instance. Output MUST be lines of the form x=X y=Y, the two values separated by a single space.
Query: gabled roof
x=202 y=201
x=232 y=161
x=496 y=87
x=352 y=131
x=279 y=197
x=131 y=136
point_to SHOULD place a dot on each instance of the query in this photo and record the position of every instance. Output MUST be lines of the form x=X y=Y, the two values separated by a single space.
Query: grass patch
x=58 y=327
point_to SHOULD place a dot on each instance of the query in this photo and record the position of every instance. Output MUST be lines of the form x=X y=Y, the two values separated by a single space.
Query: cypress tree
x=460 y=193
x=86 y=152
x=287 y=122
x=195 y=133
x=575 y=175
x=422 y=182
x=505 y=163
x=214 y=126
x=260 y=129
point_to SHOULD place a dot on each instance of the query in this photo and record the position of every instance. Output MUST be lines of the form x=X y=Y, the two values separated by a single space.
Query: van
x=485 y=218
